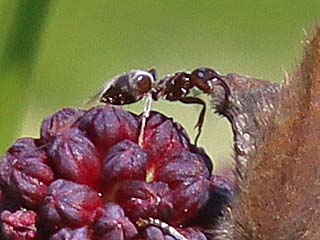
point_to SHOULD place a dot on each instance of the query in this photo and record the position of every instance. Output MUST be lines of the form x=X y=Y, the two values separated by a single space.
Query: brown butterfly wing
x=277 y=150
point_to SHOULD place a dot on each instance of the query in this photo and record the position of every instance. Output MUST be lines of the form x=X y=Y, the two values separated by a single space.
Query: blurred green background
x=57 y=53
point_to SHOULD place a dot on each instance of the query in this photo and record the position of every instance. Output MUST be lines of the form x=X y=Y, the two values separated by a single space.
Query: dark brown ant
x=138 y=84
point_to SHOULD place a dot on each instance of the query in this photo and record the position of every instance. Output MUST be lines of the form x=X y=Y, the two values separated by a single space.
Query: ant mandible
x=138 y=84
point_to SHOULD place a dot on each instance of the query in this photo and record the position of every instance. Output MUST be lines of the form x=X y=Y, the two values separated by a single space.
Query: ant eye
x=200 y=74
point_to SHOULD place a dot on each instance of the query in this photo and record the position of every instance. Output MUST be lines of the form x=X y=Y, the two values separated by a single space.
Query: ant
x=138 y=84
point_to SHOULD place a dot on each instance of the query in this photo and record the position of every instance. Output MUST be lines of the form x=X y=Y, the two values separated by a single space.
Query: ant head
x=204 y=73
x=127 y=88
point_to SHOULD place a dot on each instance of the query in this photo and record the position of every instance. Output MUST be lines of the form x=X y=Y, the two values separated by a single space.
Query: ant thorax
x=174 y=87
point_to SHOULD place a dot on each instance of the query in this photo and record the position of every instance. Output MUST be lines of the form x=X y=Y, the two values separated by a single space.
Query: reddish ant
x=137 y=84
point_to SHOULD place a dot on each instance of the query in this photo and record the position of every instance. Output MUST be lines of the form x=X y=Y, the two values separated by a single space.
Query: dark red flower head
x=88 y=177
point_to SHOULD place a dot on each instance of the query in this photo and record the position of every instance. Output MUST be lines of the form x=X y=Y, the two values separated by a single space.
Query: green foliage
x=18 y=55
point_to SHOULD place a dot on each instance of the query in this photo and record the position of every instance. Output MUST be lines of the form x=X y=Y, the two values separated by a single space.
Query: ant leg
x=163 y=225
x=146 y=113
x=199 y=124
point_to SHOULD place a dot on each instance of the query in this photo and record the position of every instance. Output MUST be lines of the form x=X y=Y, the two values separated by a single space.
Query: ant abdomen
x=127 y=88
